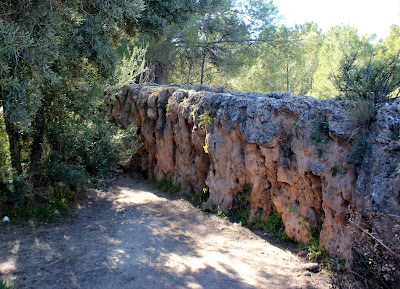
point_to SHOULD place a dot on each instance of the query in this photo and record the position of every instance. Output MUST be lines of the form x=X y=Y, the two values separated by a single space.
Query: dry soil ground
x=136 y=237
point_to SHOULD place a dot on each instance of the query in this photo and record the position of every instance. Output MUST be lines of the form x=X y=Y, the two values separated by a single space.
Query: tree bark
x=189 y=74
x=14 y=139
x=36 y=150
x=203 y=63
x=287 y=76
x=161 y=73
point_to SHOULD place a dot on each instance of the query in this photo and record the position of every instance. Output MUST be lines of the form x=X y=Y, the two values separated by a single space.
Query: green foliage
x=19 y=74
x=361 y=113
x=69 y=174
x=315 y=231
x=56 y=61
x=4 y=285
x=49 y=206
x=376 y=80
x=52 y=211
x=159 y=15
x=339 y=41
x=361 y=147
x=240 y=211
x=334 y=170
x=213 y=42
x=5 y=161
x=240 y=215
x=320 y=133
x=198 y=198
x=273 y=225
x=165 y=185
x=285 y=62
x=87 y=150
x=129 y=67
x=316 y=251
x=126 y=142
x=205 y=119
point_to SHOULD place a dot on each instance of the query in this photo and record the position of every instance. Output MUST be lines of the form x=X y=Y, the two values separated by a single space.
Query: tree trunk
x=36 y=151
x=14 y=140
x=203 y=63
x=287 y=76
x=189 y=74
x=161 y=73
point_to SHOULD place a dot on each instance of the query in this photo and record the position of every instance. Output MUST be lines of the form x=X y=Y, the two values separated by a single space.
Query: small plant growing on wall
x=241 y=211
x=197 y=199
x=193 y=112
x=320 y=133
x=361 y=148
x=165 y=185
x=206 y=118
x=272 y=225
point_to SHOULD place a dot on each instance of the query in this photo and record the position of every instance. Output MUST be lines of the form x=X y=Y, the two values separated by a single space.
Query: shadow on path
x=133 y=237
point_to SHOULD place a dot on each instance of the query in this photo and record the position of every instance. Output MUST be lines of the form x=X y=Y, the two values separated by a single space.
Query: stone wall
x=297 y=155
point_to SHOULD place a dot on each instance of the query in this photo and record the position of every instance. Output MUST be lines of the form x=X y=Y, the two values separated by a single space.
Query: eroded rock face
x=289 y=154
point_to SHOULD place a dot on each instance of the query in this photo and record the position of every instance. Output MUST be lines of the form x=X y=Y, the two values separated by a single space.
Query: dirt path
x=133 y=237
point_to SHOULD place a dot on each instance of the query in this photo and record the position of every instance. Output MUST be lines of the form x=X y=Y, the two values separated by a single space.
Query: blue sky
x=369 y=16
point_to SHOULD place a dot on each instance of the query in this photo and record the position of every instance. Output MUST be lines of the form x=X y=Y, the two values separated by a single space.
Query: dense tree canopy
x=56 y=59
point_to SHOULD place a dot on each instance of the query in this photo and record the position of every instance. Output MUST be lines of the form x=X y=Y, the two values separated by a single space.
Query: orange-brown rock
x=290 y=153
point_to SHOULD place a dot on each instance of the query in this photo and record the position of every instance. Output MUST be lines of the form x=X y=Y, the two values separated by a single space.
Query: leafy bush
x=164 y=185
x=206 y=118
x=66 y=173
x=126 y=142
x=360 y=149
x=52 y=82
x=320 y=133
x=197 y=198
x=5 y=161
x=361 y=113
x=240 y=215
x=316 y=251
x=272 y=225
x=376 y=80
x=4 y=285
x=240 y=211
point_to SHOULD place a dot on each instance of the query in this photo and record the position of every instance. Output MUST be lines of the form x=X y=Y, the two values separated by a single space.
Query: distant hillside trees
x=375 y=78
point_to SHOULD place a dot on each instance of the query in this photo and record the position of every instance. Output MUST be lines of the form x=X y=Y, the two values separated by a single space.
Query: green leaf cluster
x=57 y=59
x=273 y=225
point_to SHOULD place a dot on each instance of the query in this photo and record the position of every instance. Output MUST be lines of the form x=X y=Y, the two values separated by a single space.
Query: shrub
x=320 y=133
x=375 y=81
x=198 y=198
x=361 y=113
x=360 y=149
x=273 y=225
x=164 y=185
x=206 y=118
x=4 y=285
x=240 y=211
